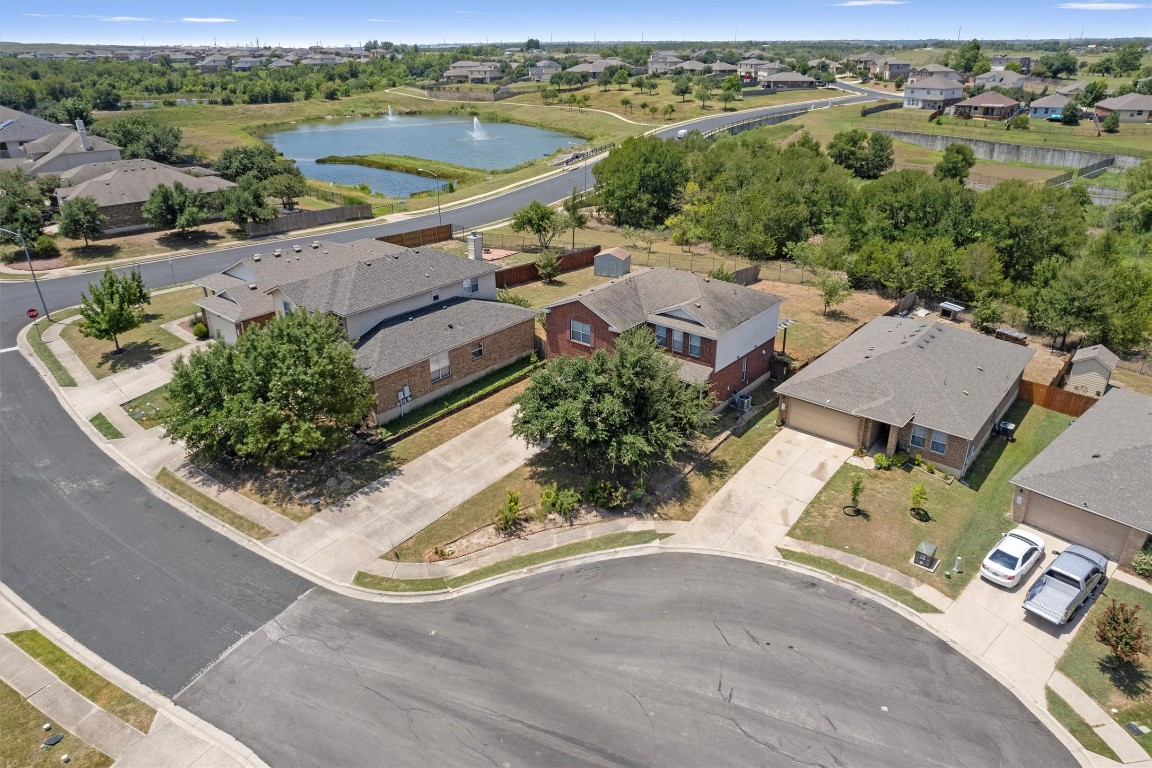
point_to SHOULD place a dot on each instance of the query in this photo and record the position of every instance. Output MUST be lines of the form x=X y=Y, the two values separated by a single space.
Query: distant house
x=121 y=187
x=424 y=322
x=543 y=70
x=892 y=69
x=246 y=64
x=824 y=64
x=663 y=63
x=1072 y=89
x=863 y=61
x=932 y=93
x=1000 y=62
x=787 y=81
x=747 y=68
x=1045 y=107
x=1000 y=79
x=723 y=69
x=910 y=385
x=18 y=128
x=213 y=63
x=989 y=105
x=692 y=67
x=65 y=149
x=721 y=334
x=592 y=69
x=1091 y=485
x=1090 y=370
x=768 y=68
x=934 y=70
x=1131 y=108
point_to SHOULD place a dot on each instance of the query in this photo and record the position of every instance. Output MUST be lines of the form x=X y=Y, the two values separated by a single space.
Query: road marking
x=9 y=349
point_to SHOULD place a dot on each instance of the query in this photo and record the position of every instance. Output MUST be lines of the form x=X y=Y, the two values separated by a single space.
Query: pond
x=461 y=141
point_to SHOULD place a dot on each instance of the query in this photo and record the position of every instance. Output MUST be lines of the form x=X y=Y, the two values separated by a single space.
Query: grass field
x=105 y=427
x=84 y=681
x=47 y=356
x=169 y=480
x=1077 y=726
x=143 y=409
x=21 y=737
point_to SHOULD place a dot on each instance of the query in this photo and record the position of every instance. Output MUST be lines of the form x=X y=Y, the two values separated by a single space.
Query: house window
x=693 y=345
x=581 y=333
x=661 y=336
x=471 y=285
x=919 y=436
x=287 y=308
x=677 y=341
x=478 y=350
x=939 y=442
x=440 y=366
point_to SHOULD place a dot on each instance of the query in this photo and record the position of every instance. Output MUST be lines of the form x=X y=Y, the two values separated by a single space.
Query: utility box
x=612 y=262
x=925 y=556
x=476 y=246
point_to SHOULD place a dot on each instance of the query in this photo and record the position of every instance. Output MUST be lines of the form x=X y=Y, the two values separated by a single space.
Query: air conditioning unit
x=743 y=403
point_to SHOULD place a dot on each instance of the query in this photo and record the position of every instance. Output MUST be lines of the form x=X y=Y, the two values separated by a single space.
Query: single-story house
x=1091 y=485
x=1045 y=107
x=1131 y=107
x=787 y=81
x=989 y=105
x=934 y=70
x=823 y=64
x=723 y=69
x=1072 y=89
x=65 y=150
x=1090 y=370
x=1001 y=79
x=908 y=384
x=424 y=322
x=722 y=334
x=932 y=93
x=121 y=187
x=592 y=69
x=18 y=128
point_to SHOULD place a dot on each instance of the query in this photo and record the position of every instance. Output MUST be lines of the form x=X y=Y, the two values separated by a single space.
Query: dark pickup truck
x=1066 y=584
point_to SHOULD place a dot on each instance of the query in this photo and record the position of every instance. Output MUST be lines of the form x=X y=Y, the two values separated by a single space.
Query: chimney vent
x=84 y=142
x=476 y=246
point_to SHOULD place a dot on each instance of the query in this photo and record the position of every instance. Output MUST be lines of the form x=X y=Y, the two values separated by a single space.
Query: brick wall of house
x=126 y=215
x=707 y=351
x=499 y=349
x=258 y=321
x=727 y=381
x=952 y=460
x=559 y=323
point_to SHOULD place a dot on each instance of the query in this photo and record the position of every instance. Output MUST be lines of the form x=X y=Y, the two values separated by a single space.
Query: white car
x=1011 y=559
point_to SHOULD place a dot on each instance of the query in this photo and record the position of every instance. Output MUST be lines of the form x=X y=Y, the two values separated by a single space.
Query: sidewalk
x=176 y=738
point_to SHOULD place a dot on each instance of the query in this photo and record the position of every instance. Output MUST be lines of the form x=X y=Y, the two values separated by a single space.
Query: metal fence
x=334 y=196
x=1063 y=178
x=1094 y=169
x=986 y=130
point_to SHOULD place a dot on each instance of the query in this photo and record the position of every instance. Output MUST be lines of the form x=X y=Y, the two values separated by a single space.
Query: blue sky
x=306 y=22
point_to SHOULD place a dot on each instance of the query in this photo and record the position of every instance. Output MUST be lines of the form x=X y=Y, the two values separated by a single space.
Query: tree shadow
x=1130 y=679
x=197 y=238
x=93 y=251
x=994 y=448
x=131 y=355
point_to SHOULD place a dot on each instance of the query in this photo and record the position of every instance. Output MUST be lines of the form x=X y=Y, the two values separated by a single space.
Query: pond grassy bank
x=460 y=174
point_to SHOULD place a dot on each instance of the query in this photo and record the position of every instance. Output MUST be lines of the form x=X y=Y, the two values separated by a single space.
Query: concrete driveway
x=755 y=509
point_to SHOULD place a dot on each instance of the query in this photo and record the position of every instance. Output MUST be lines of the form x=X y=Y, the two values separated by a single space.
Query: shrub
x=508 y=297
x=917 y=460
x=857 y=489
x=606 y=494
x=1019 y=122
x=720 y=273
x=508 y=516
x=1111 y=124
x=882 y=461
x=45 y=247
x=900 y=459
x=919 y=496
x=1142 y=564
x=548 y=265
x=1120 y=629
x=930 y=468
x=200 y=331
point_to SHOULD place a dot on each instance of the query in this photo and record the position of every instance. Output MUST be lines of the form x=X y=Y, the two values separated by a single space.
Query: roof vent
x=1095 y=455
x=697 y=305
x=367 y=263
x=965 y=392
x=980 y=368
x=707 y=279
x=251 y=286
x=450 y=326
x=255 y=257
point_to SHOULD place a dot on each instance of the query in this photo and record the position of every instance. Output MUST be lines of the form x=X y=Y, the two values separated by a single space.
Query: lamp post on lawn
x=24 y=245
x=439 y=220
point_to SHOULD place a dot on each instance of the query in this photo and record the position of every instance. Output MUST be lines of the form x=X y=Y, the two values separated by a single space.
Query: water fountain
x=477 y=133
x=391 y=117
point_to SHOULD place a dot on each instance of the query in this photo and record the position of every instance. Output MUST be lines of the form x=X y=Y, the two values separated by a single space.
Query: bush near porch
x=1128 y=688
x=965 y=521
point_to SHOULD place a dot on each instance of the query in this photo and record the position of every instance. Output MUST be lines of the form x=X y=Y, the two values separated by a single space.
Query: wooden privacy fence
x=747 y=275
x=527 y=273
x=1059 y=400
x=306 y=219
x=414 y=238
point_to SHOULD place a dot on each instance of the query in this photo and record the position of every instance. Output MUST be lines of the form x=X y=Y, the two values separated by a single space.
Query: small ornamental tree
x=176 y=207
x=1111 y=124
x=548 y=265
x=289 y=187
x=540 y=220
x=857 y=490
x=1119 y=628
x=919 y=496
x=80 y=218
x=574 y=217
x=833 y=290
x=112 y=306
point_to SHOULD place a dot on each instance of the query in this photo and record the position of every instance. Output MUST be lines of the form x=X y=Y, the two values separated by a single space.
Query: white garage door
x=825 y=422
x=1077 y=525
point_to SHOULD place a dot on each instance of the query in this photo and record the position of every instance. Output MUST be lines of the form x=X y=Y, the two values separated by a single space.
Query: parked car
x=1012 y=557
x=1055 y=117
x=1068 y=583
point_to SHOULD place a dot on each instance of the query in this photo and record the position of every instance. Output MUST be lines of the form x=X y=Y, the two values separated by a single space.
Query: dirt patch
x=814 y=333
x=1004 y=172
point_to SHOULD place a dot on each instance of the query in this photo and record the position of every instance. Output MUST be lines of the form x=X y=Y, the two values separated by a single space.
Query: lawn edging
x=866 y=580
x=1077 y=725
x=47 y=356
x=105 y=427
x=168 y=480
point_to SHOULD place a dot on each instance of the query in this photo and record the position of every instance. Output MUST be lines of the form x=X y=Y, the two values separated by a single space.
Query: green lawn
x=47 y=356
x=84 y=681
x=1077 y=726
x=169 y=480
x=21 y=737
x=608 y=541
x=141 y=345
x=965 y=521
x=1088 y=663
x=143 y=409
x=105 y=427
x=874 y=583
x=540 y=293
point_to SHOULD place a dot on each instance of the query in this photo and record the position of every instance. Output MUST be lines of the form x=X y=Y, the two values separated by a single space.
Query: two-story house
x=722 y=334
x=424 y=322
x=934 y=70
x=932 y=93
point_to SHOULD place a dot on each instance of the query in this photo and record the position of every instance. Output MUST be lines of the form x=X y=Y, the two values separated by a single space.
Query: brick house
x=722 y=334
x=988 y=105
x=908 y=384
x=423 y=322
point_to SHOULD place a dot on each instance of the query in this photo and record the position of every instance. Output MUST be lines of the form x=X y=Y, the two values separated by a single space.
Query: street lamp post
x=439 y=219
x=24 y=245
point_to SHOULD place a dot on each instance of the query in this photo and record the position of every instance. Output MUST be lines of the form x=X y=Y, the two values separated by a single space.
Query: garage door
x=1077 y=525
x=825 y=422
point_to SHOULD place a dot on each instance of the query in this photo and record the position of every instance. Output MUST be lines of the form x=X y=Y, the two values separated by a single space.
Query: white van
x=681 y=134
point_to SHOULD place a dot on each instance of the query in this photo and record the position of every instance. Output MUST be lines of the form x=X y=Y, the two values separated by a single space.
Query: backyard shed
x=950 y=310
x=613 y=262
x=1091 y=369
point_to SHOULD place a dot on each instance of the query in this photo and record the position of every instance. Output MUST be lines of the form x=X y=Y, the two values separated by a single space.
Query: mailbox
x=925 y=556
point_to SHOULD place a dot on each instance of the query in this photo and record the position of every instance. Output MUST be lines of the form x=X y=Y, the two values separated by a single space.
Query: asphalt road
x=676 y=660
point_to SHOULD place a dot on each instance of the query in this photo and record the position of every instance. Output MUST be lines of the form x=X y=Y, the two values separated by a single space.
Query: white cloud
x=43 y=15
x=1101 y=6
x=200 y=20
x=120 y=19
x=858 y=3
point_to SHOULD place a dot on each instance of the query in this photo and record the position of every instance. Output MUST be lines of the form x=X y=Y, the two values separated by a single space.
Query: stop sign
x=33 y=314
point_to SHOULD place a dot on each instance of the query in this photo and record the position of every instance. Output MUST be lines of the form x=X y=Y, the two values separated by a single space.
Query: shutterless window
x=440 y=366
x=581 y=333
x=677 y=341
x=693 y=345
x=939 y=442
x=287 y=308
x=661 y=336
x=919 y=436
x=471 y=285
x=478 y=350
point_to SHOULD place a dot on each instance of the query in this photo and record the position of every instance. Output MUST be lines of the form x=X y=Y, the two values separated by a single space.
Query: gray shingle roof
x=1053 y=100
x=218 y=281
x=988 y=99
x=1127 y=101
x=651 y=296
x=1098 y=352
x=1101 y=462
x=942 y=83
x=25 y=127
x=373 y=280
x=239 y=303
x=132 y=181
x=895 y=369
x=408 y=339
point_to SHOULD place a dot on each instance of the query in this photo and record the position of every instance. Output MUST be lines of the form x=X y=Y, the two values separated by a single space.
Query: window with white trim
x=677 y=340
x=919 y=436
x=287 y=308
x=661 y=336
x=939 y=441
x=693 y=345
x=471 y=285
x=478 y=350
x=440 y=366
x=581 y=333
